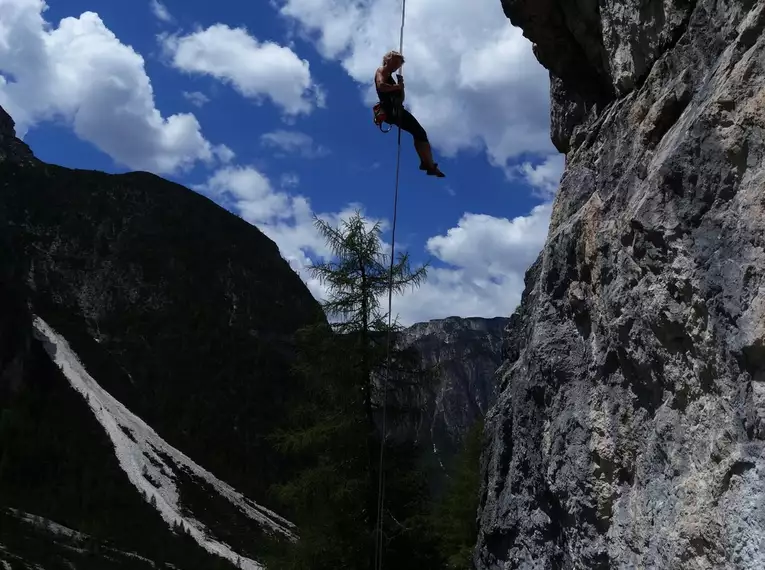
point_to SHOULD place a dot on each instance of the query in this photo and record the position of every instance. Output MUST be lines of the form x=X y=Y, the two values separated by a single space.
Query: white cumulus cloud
x=80 y=73
x=472 y=79
x=485 y=260
x=545 y=176
x=284 y=217
x=492 y=245
x=257 y=70
x=480 y=263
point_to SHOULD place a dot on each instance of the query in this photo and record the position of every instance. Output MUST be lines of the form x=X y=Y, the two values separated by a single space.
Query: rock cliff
x=630 y=417
x=464 y=354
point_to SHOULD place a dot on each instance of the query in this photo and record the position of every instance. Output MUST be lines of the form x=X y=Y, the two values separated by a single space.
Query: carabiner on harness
x=380 y=117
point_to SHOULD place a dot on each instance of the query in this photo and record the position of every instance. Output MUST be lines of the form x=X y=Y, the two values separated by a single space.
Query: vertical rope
x=380 y=485
x=401 y=37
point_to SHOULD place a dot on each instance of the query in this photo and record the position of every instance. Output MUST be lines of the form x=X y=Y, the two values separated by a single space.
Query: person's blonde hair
x=390 y=55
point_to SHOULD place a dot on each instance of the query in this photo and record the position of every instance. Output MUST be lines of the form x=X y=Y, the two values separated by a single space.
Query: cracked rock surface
x=466 y=353
x=629 y=425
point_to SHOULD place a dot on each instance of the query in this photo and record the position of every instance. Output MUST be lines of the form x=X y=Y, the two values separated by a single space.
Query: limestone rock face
x=629 y=425
x=466 y=353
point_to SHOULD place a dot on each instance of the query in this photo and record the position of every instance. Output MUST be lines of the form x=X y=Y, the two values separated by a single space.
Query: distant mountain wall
x=465 y=353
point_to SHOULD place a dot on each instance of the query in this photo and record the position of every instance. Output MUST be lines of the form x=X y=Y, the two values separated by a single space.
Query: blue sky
x=265 y=107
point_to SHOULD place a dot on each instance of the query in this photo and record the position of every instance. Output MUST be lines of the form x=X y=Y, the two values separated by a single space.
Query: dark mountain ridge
x=178 y=309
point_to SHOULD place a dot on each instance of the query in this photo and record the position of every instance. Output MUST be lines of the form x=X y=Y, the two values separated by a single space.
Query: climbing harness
x=381 y=484
x=380 y=117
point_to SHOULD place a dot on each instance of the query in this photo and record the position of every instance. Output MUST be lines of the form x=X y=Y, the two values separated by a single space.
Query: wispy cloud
x=290 y=180
x=160 y=11
x=293 y=142
x=196 y=98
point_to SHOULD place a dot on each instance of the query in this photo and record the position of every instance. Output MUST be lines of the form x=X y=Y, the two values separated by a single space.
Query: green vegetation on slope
x=454 y=516
x=28 y=545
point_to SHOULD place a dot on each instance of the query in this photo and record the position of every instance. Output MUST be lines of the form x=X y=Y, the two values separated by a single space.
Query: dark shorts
x=407 y=122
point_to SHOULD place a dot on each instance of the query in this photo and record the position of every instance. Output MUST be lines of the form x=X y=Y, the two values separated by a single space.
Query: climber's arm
x=383 y=86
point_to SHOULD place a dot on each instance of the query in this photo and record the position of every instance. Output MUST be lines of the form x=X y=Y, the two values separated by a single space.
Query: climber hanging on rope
x=391 y=110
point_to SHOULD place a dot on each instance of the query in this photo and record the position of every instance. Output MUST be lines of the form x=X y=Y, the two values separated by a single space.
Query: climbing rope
x=380 y=483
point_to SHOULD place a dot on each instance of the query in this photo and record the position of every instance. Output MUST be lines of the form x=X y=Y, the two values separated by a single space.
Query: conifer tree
x=358 y=277
x=336 y=429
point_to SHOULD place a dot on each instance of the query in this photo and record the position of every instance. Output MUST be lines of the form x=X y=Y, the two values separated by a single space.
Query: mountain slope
x=628 y=427
x=30 y=542
x=184 y=311
x=149 y=462
x=182 y=315
x=55 y=458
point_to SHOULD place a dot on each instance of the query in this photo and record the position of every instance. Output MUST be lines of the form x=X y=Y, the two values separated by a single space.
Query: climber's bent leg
x=421 y=144
x=412 y=126
x=425 y=154
x=403 y=118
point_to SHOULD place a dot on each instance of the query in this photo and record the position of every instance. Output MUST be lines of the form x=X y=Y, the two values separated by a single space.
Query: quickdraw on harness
x=380 y=117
